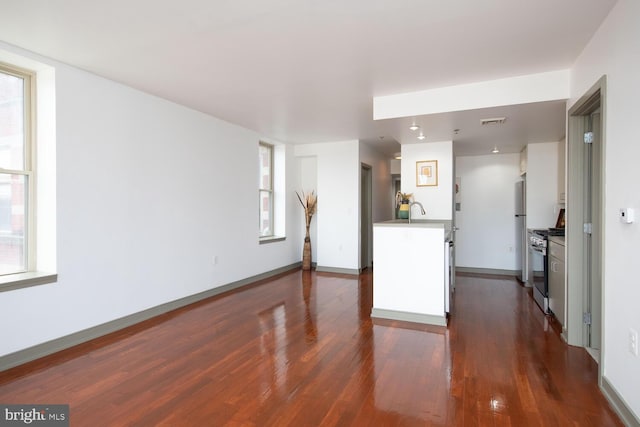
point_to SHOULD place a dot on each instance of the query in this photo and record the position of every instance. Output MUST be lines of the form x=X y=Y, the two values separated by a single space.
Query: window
x=20 y=267
x=265 y=192
x=271 y=192
x=16 y=173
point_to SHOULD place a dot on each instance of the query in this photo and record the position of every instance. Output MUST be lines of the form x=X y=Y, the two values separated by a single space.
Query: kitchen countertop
x=431 y=223
x=420 y=223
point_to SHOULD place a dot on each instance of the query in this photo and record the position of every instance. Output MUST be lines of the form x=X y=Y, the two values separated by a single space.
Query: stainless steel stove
x=538 y=274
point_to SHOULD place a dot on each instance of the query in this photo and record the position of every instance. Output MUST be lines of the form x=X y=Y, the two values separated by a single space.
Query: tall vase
x=306 y=252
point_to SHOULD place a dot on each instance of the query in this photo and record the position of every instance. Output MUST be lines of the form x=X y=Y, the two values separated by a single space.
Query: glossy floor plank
x=301 y=350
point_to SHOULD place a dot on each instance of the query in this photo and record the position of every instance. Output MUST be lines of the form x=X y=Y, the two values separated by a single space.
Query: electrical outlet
x=633 y=342
x=214 y=259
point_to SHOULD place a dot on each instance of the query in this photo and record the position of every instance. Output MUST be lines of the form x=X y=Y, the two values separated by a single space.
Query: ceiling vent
x=493 y=121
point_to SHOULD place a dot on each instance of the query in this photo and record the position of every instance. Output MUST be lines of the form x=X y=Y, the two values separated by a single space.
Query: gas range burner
x=543 y=232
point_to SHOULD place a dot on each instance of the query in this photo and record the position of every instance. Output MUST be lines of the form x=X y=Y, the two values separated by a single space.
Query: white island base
x=409 y=271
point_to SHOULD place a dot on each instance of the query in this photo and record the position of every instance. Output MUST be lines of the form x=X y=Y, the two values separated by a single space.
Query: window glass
x=12 y=122
x=14 y=173
x=265 y=192
x=12 y=223
x=265 y=214
x=265 y=166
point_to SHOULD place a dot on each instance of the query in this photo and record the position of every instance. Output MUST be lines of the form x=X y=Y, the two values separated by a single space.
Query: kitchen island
x=409 y=274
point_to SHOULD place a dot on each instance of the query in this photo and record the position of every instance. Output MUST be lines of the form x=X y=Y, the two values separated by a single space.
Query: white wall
x=437 y=201
x=542 y=185
x=147 y=193
x=487 y=228
x=615 y=51
x=382 y=198
x=338 y=217
x=382 y=189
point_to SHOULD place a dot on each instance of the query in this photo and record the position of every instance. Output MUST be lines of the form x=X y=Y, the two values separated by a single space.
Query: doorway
x=585 y=197
x=366 y=222
x=397 y=186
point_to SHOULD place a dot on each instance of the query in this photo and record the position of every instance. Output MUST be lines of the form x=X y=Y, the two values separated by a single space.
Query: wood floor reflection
x=301 y=350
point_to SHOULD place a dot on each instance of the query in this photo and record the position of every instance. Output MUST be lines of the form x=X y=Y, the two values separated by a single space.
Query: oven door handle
x=543 y=251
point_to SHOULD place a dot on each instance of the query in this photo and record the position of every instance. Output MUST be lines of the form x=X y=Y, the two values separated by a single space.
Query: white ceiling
x=303 y=71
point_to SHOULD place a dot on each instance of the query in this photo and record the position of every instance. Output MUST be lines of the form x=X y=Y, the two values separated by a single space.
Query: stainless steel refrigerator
x=521 y=230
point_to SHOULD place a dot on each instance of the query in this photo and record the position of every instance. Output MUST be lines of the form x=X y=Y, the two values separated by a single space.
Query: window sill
x=271 y=239
x=11 y=282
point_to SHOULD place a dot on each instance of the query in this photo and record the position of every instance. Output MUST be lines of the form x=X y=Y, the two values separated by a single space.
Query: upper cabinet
x=542 y=184
x=394 y=166
x=523 y=161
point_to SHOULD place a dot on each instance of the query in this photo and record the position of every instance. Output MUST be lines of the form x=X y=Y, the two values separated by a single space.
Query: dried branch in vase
x=400 y=197
x=309 y=202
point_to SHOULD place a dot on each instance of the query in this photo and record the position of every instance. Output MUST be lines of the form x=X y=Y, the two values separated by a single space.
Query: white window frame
x=269 y=191
x=28 y=277
x=278 y=196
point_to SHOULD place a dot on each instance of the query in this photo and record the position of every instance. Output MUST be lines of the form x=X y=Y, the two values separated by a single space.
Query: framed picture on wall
x=427 y=173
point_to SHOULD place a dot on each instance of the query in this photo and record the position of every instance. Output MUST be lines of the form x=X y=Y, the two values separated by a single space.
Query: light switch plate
x=627 y=215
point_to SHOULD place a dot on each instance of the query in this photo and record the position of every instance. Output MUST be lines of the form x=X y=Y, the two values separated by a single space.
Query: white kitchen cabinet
x=557 y=288
x=449 y=273
x=542 y=185
x=409 y=274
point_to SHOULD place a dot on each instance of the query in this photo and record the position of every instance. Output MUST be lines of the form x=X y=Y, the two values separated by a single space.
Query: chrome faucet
x=421 y=209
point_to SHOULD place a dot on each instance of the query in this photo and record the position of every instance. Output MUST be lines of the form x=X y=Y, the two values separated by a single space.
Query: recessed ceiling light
x=414 y=127
x=397 y=156
x=495 y=150
x=421 y=136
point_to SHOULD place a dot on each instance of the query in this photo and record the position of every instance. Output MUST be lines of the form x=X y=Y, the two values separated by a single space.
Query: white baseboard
x=405 y=316
x=619 y=405
x=323 y=269
x=498 y=272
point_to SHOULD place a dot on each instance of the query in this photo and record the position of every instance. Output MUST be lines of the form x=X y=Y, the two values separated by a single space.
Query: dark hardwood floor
x=301 y=350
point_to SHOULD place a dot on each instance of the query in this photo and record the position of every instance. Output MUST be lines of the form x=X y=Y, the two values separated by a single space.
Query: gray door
x=366 y=223
x=585 y=196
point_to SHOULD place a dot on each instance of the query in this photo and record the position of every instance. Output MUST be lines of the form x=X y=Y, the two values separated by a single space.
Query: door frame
x=366 y=216
x=577 y=331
